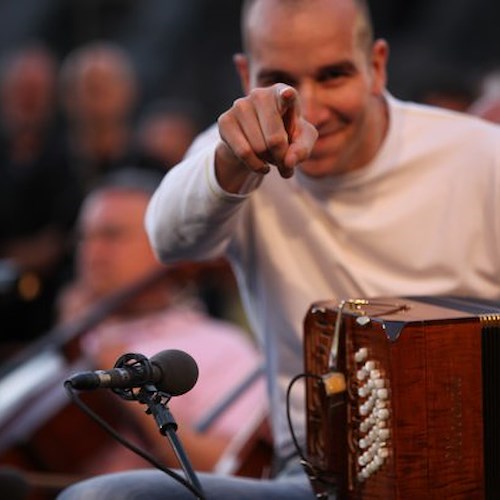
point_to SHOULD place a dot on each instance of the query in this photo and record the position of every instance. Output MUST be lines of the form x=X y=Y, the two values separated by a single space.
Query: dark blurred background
x=183 y=47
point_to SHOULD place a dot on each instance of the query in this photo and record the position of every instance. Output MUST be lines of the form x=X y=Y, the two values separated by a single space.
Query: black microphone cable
x=131 y=446
x=322 y=485
x=296 y=444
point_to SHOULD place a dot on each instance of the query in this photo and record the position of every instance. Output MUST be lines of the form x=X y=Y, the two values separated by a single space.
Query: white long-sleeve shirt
x=422 y=218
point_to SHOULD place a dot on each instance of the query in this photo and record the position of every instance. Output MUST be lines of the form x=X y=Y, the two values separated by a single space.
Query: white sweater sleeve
x=190 y=216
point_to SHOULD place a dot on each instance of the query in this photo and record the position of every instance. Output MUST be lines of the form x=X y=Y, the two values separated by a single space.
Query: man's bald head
x=251 y=8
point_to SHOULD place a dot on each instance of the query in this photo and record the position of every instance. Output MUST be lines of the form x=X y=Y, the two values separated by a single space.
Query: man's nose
x=313 y=108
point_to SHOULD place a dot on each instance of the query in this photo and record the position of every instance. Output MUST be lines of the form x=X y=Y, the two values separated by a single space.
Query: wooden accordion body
x=403 y=397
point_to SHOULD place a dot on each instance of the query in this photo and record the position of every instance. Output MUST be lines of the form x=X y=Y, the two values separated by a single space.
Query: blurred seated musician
x=114 y=253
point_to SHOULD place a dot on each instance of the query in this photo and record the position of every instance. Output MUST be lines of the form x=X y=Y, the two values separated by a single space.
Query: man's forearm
x=231 y=174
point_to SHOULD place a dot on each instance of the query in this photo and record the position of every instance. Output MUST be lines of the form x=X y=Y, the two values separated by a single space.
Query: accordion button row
x=374 y=412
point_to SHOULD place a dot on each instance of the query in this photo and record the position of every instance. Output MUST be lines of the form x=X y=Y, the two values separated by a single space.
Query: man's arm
x=190 y=216
x=193 y=213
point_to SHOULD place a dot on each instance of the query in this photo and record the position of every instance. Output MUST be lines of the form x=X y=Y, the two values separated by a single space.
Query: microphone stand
x=157 y=403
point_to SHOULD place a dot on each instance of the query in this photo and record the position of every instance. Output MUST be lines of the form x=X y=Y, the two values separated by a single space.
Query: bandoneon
x=403 y=398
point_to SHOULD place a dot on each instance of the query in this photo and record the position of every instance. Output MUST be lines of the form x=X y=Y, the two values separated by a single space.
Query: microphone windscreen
x=179 y=371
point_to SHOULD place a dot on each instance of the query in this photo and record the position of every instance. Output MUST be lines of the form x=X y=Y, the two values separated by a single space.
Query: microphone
x=172 y=371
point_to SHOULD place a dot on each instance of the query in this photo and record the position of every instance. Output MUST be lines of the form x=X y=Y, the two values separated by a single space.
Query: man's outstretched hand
x=263 y=129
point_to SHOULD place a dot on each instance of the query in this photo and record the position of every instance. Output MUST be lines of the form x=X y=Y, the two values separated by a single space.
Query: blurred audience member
x=114 y=253
x=165 y=131
x=487 y=105
x=447 y=90
x=39 y=193
x=100 y=95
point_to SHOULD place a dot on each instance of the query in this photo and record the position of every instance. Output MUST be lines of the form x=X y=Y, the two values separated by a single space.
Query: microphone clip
x=139 y=364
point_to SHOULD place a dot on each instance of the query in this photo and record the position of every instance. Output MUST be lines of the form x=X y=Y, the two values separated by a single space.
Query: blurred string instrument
x=47 y=443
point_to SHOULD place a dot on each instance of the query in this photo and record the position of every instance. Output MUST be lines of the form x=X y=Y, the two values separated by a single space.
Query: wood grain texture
x=433 y=372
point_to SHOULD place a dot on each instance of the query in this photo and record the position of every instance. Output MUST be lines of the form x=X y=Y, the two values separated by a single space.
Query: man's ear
x=380 y=57
x=240 y=61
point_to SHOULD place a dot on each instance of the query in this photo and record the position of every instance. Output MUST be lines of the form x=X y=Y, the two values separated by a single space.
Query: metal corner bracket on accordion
x=404 y=398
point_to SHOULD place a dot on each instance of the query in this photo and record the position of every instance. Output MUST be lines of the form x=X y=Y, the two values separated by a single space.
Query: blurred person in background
x=487 y=105
x=99 y=96
x=114 y=253
x=39 y=193
x=165 y=130
x=446 y=89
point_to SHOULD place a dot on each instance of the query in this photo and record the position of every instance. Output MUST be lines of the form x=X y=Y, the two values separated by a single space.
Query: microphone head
x=179 y=371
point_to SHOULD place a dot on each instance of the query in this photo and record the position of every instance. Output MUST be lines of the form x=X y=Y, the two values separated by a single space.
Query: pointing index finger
x=289 y=108
x=286 y=97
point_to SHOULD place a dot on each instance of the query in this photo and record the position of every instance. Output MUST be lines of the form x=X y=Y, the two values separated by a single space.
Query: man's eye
x=268 y=80
x=331 y=75
x=334 y=73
